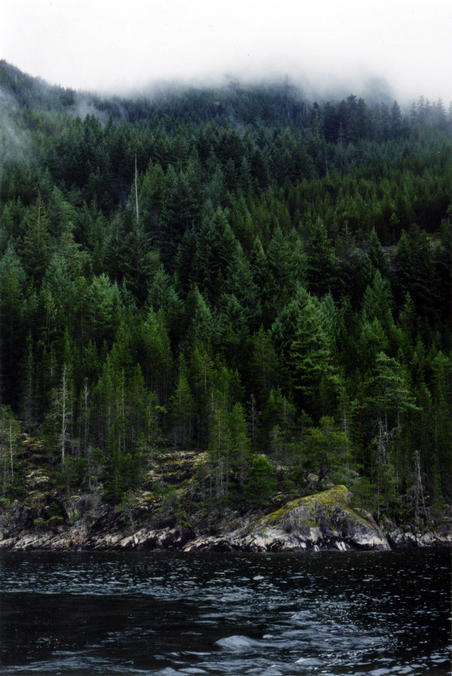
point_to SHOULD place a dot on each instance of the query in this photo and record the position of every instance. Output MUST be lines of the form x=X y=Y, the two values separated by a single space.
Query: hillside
x=238 y=274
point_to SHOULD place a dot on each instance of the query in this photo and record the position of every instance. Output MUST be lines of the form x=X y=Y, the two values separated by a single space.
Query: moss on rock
x=323 y=519
x=325 y=501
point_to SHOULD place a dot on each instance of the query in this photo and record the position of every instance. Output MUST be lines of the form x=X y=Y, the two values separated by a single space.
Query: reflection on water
x=268 y=614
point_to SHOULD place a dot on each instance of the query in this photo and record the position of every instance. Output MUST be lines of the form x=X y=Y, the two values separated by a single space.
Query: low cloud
x=109 y=46
x=14 y=141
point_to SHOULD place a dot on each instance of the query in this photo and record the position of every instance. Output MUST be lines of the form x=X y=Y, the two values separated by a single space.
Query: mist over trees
x=238 y=271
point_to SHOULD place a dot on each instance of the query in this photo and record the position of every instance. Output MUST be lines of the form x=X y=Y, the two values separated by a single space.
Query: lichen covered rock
x=323 y=520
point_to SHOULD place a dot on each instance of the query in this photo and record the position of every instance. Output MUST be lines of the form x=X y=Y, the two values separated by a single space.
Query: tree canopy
x=240 y=271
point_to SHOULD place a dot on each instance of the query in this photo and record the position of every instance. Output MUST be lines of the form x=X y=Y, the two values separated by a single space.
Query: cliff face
x=316 y=522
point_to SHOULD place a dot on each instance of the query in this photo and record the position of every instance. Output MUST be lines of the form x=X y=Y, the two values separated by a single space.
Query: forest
x=239 y=271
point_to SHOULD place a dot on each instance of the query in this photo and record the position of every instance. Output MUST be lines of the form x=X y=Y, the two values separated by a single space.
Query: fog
x=111 y=46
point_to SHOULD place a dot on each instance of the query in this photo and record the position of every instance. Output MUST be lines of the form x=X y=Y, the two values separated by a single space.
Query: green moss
x=39 y=522
x=338 y=495
x=309 y=508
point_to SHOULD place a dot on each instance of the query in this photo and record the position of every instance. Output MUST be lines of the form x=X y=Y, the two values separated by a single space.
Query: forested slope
x=239 y=271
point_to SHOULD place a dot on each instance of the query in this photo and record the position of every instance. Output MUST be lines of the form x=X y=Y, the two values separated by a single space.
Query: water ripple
x=340 y=614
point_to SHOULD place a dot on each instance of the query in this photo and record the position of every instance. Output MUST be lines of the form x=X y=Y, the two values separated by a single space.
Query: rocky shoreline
x=322 y=521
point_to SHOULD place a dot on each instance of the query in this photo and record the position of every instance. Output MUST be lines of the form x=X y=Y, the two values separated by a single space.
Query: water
x=347 y=613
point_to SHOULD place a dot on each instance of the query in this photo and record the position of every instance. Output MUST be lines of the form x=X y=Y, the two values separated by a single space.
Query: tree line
x=239 y=271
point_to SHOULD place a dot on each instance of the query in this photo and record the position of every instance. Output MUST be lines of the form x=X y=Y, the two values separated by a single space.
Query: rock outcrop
x=322 y=521
x=440 y=536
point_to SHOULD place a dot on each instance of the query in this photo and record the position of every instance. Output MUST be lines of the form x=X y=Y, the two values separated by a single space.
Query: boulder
x=324 y=520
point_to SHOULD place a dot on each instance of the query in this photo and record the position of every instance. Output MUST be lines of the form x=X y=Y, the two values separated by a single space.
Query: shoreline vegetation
x=218 y=306
x=326 y=520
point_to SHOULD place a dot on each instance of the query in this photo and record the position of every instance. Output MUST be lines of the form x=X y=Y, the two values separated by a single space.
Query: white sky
x=110 y=45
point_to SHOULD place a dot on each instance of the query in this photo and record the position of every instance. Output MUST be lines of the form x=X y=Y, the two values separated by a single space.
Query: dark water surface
x=268 y=614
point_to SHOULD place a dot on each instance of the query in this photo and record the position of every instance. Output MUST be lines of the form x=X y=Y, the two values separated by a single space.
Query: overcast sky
x=108 y=45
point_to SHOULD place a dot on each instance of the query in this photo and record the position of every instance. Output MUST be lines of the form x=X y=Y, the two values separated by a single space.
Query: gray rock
x=321 y=521
x=440 y=535
x=324 y=520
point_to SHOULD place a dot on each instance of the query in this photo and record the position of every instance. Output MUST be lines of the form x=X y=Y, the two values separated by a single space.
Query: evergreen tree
x=261 y=482
x=310 y=359
x=9 y=447
x=321 y=266
x=12 y=285
x=327 y=452
x=236 y=271
x=182 y=408
x=37 y=243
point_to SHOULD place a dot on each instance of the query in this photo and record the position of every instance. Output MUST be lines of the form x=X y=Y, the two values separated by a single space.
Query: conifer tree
x=36 y=248
x=311 y=361
x=9 y=445
x=182 y=408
